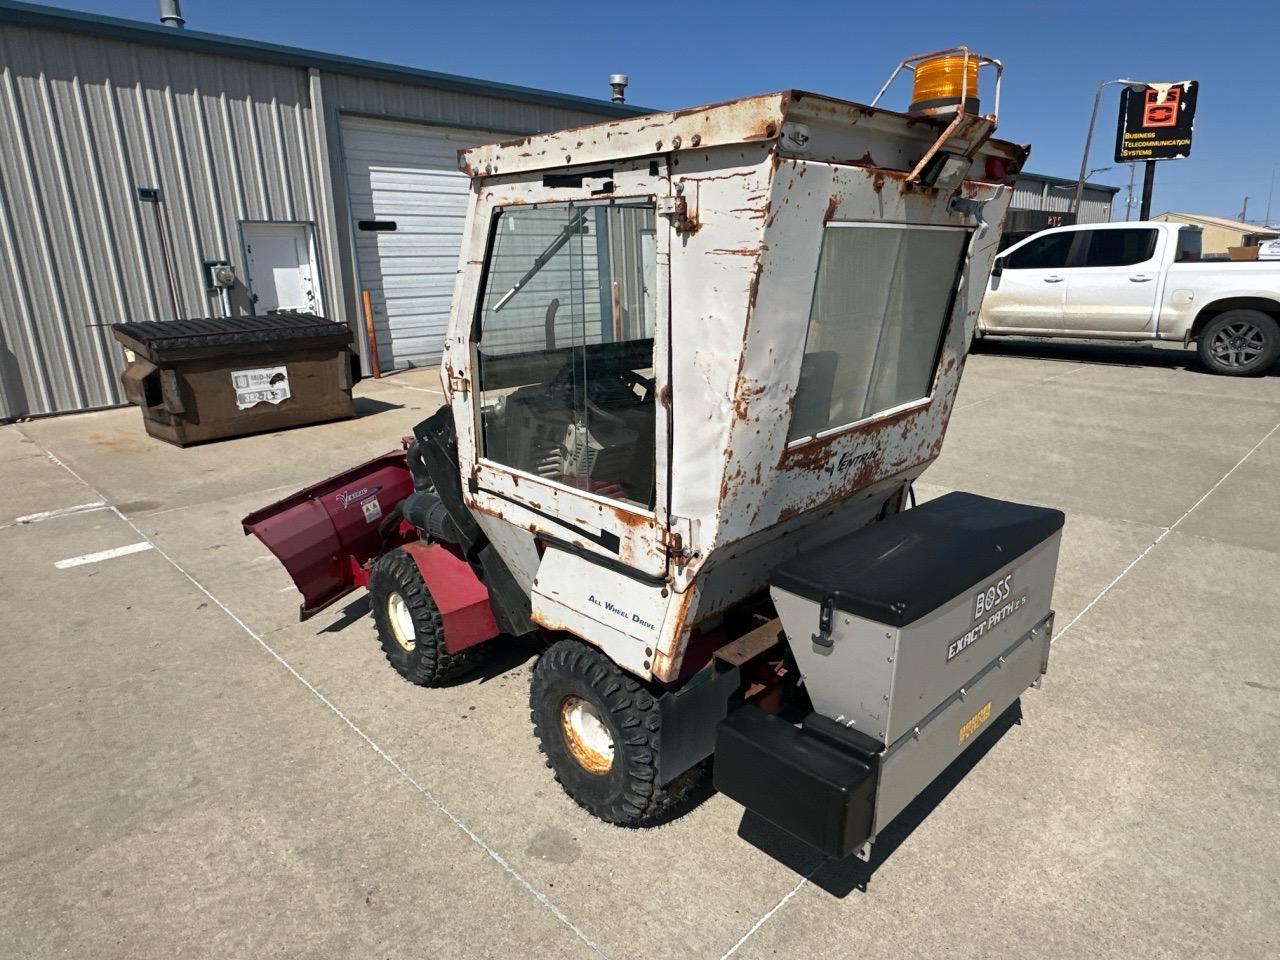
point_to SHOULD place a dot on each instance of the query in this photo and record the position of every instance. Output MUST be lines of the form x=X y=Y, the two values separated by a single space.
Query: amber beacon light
x=945 y=82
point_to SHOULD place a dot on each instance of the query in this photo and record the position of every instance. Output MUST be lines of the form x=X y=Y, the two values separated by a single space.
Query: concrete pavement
x=188 y=771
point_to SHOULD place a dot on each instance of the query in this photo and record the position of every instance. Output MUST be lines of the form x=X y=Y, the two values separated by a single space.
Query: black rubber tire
x=628 y=794
x=427 y=664
x=1266 y=329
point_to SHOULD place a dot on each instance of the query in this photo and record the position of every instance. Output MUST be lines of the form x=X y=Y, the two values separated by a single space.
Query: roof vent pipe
x=171 y=14
x=619 y=83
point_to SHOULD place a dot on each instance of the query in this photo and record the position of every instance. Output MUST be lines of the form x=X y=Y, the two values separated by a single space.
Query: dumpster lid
x=907 y=565
x=179 y=339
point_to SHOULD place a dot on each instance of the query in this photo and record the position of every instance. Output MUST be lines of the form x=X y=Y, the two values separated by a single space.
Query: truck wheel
x=1239 y=343
x=598 y=728
x=409 y=626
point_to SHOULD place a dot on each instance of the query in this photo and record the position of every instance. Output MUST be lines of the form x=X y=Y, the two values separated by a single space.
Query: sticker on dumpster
x=264 y=385
x=372 y=511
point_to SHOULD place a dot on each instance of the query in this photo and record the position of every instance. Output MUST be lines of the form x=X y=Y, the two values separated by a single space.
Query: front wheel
x=599 y=729
x=1239 y=343
x=409 y=625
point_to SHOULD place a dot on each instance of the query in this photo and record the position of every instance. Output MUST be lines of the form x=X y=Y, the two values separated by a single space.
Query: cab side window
x=1118 y=248
x=1049 y=252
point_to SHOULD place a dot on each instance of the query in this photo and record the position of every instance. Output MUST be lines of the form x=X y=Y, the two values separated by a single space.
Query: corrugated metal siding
x=85 y=121
x=1095 y=205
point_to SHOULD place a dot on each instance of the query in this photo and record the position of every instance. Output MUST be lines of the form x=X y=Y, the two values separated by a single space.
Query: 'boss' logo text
x=993 y=596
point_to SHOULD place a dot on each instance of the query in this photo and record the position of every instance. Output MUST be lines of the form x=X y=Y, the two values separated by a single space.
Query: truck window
x=1118 y=248
x=1188 y=246
x=880 y=306
x=565 y=346
x=1049 y=252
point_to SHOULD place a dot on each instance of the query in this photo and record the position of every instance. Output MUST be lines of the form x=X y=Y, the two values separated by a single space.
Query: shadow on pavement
x=1166 y=356
x=1091 y=351
x=841 y=877
x=505 y=655
x=367 y=406
x=353 y=611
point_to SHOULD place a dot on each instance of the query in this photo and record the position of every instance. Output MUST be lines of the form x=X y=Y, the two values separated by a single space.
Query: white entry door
x=280 y=261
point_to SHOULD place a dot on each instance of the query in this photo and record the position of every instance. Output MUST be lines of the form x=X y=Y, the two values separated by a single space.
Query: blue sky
x=684 y=53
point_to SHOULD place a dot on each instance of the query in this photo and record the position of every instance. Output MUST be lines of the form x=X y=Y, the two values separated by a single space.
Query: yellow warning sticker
x=973 y=723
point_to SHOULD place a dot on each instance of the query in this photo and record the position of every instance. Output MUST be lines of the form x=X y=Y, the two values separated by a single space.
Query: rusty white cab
x=694 y=363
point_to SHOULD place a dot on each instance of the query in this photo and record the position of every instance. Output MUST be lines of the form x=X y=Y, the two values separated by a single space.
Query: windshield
x=564 y=341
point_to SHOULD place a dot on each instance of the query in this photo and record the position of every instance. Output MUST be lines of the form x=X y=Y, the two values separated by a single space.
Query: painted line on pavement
x=457 y=821
x=1105 y=590
x=764 y=919
x=1021 y=386
x=1164 y=533
x=64 y=512
x=104 y=555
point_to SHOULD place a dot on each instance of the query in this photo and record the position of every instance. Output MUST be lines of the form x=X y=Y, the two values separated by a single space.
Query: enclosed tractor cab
x=695 y=362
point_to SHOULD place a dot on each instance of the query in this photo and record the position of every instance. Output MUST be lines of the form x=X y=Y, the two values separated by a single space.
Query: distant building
x=139 y=162
x=1220 y=232
x=136 y=158
x=1040 y=202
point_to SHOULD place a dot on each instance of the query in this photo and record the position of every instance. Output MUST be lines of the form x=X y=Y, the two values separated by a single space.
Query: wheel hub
x=1237 y=344
x=401 y=622
x=586 y=735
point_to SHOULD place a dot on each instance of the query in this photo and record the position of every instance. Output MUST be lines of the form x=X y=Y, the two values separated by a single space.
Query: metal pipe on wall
x=375 y=367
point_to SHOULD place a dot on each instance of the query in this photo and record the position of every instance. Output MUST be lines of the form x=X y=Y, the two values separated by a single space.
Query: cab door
x=558 y=356
x=1115 y=284
x=1029 y=290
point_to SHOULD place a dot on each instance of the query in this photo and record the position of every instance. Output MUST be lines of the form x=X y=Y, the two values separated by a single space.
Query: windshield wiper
x=567 y=231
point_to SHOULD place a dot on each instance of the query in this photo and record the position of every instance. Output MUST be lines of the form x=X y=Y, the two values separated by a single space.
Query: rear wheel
x=599 y=729
x=409 y=625
x=1239 y=343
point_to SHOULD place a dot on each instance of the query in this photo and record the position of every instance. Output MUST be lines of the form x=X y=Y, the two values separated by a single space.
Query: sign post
x=1155 y=123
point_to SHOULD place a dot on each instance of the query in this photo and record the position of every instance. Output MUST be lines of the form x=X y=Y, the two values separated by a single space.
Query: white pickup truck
x=1137 y=281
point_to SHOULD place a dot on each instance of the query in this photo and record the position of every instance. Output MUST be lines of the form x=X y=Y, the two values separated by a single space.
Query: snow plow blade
x=325 y=534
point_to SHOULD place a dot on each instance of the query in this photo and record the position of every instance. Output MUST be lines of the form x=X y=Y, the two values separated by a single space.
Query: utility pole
x=1266 y=221
x=1244 y=211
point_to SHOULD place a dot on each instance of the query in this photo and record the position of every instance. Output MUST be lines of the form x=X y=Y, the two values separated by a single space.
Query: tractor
x=694 y=364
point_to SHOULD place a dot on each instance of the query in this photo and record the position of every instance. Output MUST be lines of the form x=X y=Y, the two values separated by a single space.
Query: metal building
x=137 y=158
x=1218 y=234
x=1040 y=202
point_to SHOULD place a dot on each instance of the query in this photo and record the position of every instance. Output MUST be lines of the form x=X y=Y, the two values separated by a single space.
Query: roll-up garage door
x=408 y=204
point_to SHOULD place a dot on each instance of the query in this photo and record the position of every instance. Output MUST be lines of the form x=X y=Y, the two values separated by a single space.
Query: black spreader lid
x=905 y=566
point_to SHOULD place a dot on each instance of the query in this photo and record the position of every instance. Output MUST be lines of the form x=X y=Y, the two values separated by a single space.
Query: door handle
x=1140 y=277
x=1053 y=279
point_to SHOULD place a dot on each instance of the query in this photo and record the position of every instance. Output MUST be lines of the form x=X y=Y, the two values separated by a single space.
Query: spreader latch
x=826 y=610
